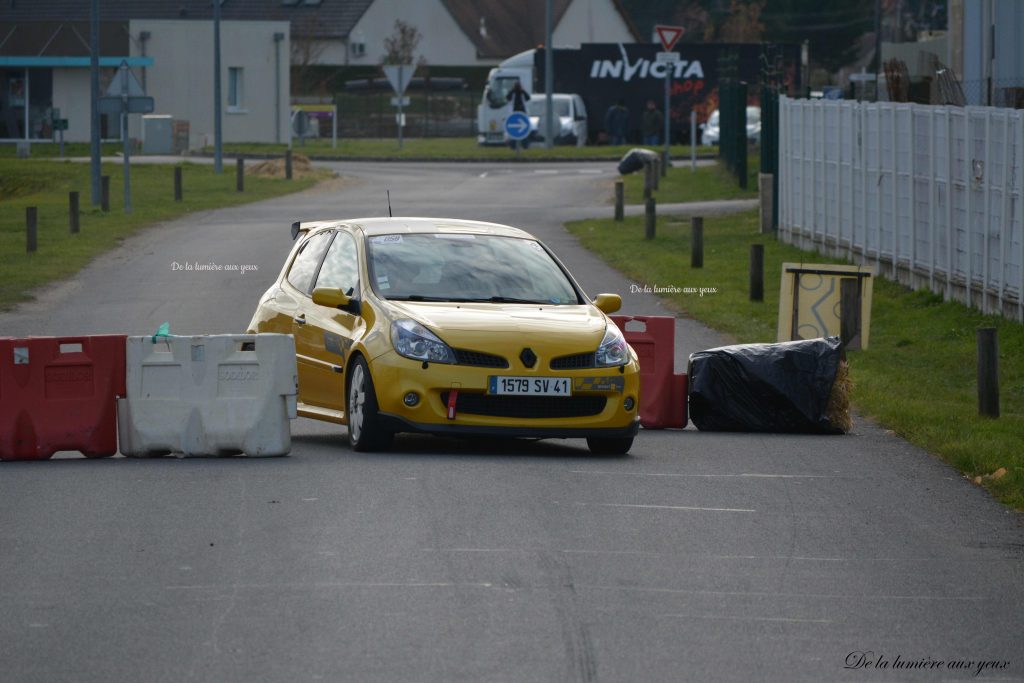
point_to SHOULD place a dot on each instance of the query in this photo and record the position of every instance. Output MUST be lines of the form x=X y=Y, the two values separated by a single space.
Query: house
x=44 y=52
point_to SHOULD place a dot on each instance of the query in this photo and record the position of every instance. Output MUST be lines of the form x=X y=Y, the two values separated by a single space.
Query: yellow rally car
x=449 y=327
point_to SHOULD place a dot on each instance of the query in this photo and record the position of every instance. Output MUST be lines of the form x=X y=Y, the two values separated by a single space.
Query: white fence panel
x=932 y=196
x=208 y=395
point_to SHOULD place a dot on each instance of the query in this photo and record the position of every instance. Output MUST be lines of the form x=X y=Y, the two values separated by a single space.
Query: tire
x=610 y=445
x=365 y=433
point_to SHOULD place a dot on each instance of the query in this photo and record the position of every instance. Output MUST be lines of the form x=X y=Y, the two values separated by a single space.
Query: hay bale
x=274 y=168
x=838 y=410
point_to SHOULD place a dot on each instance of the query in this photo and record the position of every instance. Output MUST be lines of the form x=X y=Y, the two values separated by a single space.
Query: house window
x=358 y=49
x=235 y=87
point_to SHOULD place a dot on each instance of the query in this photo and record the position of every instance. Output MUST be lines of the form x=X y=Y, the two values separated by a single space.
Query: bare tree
x=306 y=51
x=400 y=46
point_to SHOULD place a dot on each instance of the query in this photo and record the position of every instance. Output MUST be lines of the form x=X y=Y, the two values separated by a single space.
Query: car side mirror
x=608 y=303
x=332 y=297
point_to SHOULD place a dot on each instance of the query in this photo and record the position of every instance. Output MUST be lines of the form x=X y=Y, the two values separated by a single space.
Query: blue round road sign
x=517 y=125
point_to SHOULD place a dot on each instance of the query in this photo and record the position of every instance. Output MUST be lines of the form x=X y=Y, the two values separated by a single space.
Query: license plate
x=530 y=386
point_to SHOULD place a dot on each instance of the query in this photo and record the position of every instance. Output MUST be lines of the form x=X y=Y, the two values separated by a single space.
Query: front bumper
x=597 y=406
x=400 y=424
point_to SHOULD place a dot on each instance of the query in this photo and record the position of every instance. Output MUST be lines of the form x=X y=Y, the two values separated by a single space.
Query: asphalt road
x=700 y=557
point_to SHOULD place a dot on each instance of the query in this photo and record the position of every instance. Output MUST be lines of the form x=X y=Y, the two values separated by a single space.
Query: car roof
x=387 y=226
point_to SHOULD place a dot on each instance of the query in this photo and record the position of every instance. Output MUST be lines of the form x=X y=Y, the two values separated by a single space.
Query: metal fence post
x=697 y=242
x=240 y=174
x=31 y=227
x=650 y=218
x=105 y=193
x=757 y=272
x=988 y=372
x=73 y=217
x=288 y=164
x=620 y=194
x=177 y=184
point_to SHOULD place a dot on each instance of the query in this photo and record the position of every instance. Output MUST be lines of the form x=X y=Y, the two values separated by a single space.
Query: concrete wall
x=181 y=78
x=442 y=44
x=591 y=21
x=71 y=96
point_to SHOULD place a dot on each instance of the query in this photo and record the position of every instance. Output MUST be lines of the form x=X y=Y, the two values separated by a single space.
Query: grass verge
x=919 y=376
x=439 y=149
x=681 y=184
x=46 y=184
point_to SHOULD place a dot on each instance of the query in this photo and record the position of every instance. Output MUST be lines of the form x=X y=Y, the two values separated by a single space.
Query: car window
x=304 y=266
x=341 y=265
x=459 y=267
x=538 y=105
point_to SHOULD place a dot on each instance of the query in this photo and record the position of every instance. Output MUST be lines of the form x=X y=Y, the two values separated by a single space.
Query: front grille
x=527 y=406
x=480 y=360
x=578 y=361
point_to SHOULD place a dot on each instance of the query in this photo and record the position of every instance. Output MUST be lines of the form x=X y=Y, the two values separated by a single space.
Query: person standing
x=518 y=97
x=616 y=119
x=652 y=123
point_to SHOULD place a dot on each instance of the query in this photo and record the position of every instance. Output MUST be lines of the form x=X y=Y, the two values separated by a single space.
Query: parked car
x=570 y=120
x=712 y=129
x=449 y=327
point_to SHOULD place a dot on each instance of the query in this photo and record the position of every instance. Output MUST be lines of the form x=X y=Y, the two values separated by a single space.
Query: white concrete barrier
x=208 y=395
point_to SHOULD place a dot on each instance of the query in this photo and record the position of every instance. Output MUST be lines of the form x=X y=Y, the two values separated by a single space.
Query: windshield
x=535 y=107
x=466 y=267
x=497 y=92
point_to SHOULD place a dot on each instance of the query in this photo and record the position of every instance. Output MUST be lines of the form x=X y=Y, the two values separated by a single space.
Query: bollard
x=240 y=174
x=988 y=372
x=647 y=179
x=620 y=200
x=288 y=164
x=697 y=242
x=765 y=184
x=649 y=218
x=31 y=226
x=757 y=272
x=105 y=193
x=73 y=224
x=849 y=312
x=656 y=174
x=177 y=183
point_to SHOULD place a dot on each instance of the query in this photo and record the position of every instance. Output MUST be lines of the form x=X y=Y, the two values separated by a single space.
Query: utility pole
x=218 y=151
x=549 y=76
x=94 y=97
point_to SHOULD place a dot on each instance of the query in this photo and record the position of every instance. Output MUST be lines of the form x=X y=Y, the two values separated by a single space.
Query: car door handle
x=300 y=319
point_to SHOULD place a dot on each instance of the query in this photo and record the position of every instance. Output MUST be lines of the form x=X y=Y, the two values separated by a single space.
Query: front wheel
x=610 y=445
x=364 y=430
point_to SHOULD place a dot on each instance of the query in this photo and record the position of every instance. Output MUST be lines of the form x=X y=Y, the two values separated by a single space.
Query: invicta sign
x=626 y=70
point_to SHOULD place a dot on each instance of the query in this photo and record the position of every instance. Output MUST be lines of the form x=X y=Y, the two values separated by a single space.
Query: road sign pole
x=668 y=86
x=400 y=98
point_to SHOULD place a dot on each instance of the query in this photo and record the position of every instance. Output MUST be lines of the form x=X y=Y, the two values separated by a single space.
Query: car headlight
x=413 y=340
x=613 y=349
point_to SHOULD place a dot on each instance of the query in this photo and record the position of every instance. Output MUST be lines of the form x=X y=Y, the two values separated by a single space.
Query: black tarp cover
x=781 y=387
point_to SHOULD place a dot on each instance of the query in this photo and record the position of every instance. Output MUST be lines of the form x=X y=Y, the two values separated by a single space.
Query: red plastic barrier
x=662 y=393
x=60 y=394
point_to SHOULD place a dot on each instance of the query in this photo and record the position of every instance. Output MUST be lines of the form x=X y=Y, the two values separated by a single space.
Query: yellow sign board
x=810 y=301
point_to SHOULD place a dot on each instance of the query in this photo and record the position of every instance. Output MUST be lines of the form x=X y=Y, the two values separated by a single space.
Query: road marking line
x=664 y=507
x=545 y=171
x=829 y=596
x=483 y=175
x=591 y=171
x=731 y=618
x=707 y=476
x=333 y=584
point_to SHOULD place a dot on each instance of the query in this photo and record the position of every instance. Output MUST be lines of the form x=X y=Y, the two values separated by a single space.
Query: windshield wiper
x=506 y=300
x=419 y=297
